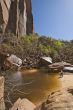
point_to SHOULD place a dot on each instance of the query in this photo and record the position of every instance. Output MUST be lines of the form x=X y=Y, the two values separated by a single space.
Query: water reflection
x=32 y=84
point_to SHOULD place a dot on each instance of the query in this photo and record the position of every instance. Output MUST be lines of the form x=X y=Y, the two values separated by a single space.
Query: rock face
x=23 y=104
x=16 y=17
x=2 y=105
x=59 y=100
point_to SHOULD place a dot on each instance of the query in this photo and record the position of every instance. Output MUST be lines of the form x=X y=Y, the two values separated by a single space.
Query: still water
x=32 y=84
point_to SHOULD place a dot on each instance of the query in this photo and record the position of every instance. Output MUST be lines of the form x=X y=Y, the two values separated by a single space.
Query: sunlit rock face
x=16 y=17
x=58 y=100
x=2 y=105
x=23 y=104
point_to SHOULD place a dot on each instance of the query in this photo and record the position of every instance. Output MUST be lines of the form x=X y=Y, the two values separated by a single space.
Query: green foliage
x=44 y=49
x=36 y=46
x=32 y=45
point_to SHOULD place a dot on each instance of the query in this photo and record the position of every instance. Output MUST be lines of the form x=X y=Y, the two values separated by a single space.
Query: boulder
x=16 y=17
x=68 y=69
x=14 y=60
x=58 y=66
x=23 y=104
x=45 y=61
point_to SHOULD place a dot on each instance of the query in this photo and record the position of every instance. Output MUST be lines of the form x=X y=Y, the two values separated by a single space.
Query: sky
x=53 y=18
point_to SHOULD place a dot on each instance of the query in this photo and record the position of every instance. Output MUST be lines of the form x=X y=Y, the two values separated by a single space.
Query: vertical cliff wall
x=29 y=22
x=16 y=17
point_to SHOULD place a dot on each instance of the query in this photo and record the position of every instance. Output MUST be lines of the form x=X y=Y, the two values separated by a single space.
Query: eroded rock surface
x=16 y=17
x=23 y=104
x=2 y=105
x=59 y=100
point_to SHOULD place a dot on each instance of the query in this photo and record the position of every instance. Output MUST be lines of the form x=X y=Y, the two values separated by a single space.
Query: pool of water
x=32 y=84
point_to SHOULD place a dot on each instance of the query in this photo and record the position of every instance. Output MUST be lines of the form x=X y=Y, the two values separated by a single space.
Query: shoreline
x=65 y=84
x=61 y=99
x=67 y=80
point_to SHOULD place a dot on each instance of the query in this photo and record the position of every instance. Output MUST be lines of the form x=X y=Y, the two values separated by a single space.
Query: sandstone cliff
x=2 y=105
x=16 y=17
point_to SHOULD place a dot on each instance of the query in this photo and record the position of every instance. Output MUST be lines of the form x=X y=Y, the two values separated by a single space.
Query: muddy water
x=32 y=84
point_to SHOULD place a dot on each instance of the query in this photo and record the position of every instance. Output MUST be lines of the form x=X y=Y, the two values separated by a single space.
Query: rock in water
x=16 y=17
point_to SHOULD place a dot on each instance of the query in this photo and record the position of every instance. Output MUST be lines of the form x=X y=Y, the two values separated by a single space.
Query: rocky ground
x=61 y=99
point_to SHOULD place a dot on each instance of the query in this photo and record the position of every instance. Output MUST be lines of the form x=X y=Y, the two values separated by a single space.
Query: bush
x=32 y=45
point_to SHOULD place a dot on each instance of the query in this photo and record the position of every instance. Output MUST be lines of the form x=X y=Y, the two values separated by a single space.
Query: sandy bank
x=67 y=80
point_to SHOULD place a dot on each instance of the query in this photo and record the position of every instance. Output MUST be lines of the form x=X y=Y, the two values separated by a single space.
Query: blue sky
x=53 y=18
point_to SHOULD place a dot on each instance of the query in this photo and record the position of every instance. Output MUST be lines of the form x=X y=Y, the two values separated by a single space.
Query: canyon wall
x=16 y=17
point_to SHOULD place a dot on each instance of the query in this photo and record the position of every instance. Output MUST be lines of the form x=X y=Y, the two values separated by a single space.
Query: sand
x=67 y=80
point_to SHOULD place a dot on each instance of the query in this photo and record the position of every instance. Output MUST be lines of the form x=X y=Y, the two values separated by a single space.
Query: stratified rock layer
x=16 y=17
